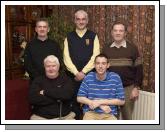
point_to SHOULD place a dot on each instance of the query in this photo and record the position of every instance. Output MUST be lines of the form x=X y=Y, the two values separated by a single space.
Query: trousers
x=70 y=116
x=91 y=115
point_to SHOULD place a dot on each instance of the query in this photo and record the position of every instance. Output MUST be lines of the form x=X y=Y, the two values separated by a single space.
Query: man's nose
x=100 y=65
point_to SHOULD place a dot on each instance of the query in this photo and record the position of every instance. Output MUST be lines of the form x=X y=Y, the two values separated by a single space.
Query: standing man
x=51 y=94
x=80 y=48
x=125 y=60
x=38 y=49
x=101 y=92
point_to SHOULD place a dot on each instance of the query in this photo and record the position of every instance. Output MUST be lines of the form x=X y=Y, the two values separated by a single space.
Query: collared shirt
x=81 y=32
x=123 y=44
x=94 y=89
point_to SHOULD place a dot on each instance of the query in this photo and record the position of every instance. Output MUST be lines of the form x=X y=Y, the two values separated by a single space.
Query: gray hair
x=51 y=58
x=82 y=12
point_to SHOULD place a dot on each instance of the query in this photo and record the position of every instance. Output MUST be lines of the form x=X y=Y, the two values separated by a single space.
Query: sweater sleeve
x=35 y=97
x=138 y=69
x=96 y=51
x=58 y=53
x=83 y=90
x=29 y=67
x=120 y=93
x=67 y=60
x=62 y=91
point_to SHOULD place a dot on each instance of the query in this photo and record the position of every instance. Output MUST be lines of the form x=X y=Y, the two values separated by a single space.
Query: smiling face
x=81 y=20
x=101 y=65
x=118 y=33
x=42 y=29
x=51 y=69
x=52 y=65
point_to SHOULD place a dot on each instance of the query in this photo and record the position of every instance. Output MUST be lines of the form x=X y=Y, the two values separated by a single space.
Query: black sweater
x=35 y=53
x=48 y=105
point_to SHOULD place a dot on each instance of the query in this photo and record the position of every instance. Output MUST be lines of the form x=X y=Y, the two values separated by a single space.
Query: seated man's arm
x=88 y=102
x=35 y=94
x=110 y=101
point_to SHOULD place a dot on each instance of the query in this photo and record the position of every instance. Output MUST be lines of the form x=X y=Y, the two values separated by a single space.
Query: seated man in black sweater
x=51 y=95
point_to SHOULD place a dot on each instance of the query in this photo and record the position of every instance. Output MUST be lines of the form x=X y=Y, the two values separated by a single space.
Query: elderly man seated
x=51 y=95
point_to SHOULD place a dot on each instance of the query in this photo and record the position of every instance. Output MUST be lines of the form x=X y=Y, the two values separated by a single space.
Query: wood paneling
x=19 y=27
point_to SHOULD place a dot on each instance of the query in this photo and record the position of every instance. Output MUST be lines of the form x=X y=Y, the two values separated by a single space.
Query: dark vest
x=81 y=49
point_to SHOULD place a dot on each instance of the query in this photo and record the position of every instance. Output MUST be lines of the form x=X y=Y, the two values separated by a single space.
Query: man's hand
x=41 y=92
x=94 y=104
x=79 y=76
x=105 y=108
x=134 y=94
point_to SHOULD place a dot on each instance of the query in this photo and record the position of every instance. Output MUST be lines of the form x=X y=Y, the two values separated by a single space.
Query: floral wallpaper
x=140 y=26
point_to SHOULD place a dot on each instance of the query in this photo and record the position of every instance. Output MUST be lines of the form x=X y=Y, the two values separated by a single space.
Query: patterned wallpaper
x=140 y=24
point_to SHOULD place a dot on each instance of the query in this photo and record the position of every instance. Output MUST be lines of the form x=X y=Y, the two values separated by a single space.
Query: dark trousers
x=76 y=107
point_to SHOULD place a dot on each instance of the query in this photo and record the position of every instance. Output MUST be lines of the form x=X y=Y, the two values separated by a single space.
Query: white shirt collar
x=123 y=44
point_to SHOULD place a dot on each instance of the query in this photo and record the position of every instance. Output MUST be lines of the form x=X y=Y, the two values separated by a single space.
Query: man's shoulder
x=70 y=33
x=52 y=41
x=113 y=74
x=39 y=78
x=31 y=44
x=90 y=75
x=33 y=40
x=90 y=32
x=65 y=77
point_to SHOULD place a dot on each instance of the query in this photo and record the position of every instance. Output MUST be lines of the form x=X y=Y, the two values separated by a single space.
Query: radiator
x=144 y=108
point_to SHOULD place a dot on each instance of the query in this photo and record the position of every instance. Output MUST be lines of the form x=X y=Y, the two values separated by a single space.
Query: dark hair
x=42 y=19
x=119 y=23
x=102 y=55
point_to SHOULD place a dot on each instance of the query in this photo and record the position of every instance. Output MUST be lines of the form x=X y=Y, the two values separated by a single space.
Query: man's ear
x=108 y=65
x=48 y=30
x=36 y=29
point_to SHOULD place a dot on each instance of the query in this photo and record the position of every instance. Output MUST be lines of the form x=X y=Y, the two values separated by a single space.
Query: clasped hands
x=79 y=76
x=97 y=103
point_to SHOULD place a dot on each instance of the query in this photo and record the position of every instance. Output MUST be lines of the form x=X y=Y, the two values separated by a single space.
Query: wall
x=141 y=26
